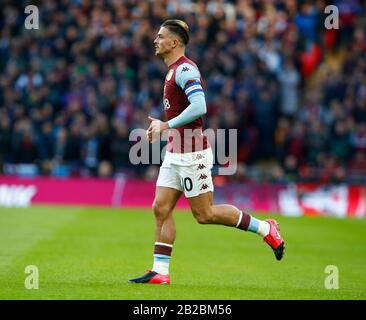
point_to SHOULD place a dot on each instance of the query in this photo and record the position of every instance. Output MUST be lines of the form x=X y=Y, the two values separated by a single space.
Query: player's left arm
x=188 y=78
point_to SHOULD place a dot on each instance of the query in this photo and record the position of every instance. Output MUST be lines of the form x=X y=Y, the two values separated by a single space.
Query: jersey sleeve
x=188 y=78
x=196 y=109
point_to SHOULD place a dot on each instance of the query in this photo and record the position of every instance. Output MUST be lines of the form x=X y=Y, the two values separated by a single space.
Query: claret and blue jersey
x=184 y=104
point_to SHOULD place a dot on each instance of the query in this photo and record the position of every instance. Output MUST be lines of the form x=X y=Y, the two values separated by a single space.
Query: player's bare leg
x=163 y=206
x=206 y=212
x=165 y=232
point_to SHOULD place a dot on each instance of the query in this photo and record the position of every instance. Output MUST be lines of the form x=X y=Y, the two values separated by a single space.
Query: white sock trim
x=163 y=244
x=240 y=218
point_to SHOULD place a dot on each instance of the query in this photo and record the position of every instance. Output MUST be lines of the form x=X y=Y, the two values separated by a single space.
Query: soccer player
x=189 y=159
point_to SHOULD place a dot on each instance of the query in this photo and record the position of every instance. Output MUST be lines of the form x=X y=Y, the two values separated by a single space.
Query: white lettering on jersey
x=166 y=104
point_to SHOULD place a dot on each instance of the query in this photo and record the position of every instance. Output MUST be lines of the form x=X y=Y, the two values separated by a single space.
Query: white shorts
x=187 y=172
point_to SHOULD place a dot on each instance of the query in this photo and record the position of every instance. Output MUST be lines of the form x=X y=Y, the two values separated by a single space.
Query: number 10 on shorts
x=187 y=184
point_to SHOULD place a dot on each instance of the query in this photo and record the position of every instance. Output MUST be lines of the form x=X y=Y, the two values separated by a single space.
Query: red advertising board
x=290 y=200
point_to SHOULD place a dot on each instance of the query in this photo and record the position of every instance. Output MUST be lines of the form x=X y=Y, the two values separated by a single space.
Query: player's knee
x=201 y=219
x=203 y=216
x=161 y=210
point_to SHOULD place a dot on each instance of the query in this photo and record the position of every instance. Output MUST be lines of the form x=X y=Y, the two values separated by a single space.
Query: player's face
x=164 y=42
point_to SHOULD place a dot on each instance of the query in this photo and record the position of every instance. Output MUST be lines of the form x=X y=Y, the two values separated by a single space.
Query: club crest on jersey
x=169 y=75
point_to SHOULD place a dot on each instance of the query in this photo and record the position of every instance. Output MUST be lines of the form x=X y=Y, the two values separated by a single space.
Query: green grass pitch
x=90 y=253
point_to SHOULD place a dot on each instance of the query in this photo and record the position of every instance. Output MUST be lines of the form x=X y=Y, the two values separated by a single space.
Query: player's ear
x=175 y=42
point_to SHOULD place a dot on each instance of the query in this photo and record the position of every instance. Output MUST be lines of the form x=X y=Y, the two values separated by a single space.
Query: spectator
x=340 y=142
x=289 y=80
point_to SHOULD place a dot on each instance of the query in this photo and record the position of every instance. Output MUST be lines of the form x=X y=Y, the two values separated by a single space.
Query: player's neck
x=173 y=57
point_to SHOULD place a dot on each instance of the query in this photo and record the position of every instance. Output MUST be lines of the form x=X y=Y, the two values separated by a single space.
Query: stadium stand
x=71 y=91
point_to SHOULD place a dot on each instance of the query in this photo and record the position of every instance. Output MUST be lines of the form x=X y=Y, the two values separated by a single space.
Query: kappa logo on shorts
x=204 y=186
x=202 y=177
x=201 y=166
x=199 y=156
x=184 y=69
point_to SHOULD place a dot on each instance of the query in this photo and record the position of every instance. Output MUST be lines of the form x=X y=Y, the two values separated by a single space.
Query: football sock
x=263 y=227
x=249 y=223
x=162 y=253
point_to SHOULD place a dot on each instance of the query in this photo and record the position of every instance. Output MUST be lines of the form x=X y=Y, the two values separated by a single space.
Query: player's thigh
x=168 y=176
x=165 y=200
x=168 y=189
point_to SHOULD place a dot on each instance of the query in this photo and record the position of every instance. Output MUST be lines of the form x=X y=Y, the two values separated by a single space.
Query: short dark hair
x=179 y=27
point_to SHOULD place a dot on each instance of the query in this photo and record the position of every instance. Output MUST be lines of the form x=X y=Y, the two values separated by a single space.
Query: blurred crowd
x=72 y=90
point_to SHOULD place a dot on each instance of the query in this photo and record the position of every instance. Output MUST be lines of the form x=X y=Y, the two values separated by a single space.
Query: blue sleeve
x=188 y=78
x=196 y=109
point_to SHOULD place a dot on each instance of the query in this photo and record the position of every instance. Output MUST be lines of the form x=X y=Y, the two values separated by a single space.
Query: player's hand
x=155 y=129
x=148 y=133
